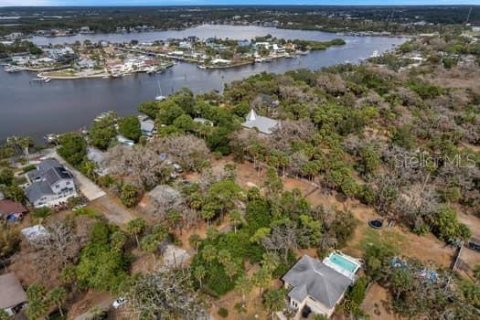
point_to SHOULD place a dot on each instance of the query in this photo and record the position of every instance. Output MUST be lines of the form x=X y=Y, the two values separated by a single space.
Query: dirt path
x=89 y=305
x=377 y=304
x=112 y=209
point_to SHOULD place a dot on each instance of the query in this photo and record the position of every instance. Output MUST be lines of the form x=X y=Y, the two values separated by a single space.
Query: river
x=35 y=109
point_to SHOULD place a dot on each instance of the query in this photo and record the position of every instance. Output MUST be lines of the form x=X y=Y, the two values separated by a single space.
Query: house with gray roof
x=51 y=184
x=315 y=286
x=147 y=125
x=262 y=124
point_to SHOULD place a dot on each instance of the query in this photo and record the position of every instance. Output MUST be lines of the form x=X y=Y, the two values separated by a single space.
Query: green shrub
x=29 y=168
x=222 y=312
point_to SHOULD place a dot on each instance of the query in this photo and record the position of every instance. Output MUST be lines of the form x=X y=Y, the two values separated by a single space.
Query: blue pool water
x=343 y=262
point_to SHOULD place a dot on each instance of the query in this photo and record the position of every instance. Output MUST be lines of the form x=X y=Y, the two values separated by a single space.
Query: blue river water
x=35 y=109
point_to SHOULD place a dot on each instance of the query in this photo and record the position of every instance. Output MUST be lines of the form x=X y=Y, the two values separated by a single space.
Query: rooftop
x=9 y=206
x=311 y=277
x=263 y=124
x=11 y=291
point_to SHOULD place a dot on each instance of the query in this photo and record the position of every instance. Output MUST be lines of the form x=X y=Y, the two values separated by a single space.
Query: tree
x=130 y=195
x=73 y=148
x=24 y=143
x=37 y=307
x=168 y=112
x=15 y=193
x=165 y=295
x=244 y=285
x=4 y=315
x=184 y=122
x=103 y=132
x=135 y=228
x=58 y=296
x=273 y=183
x=129 y=127
x=236 y=219
x=152 y=241
x=100 y=266
x=199 y=273
x=222 y=196
x=275 y=299
x=9 y=240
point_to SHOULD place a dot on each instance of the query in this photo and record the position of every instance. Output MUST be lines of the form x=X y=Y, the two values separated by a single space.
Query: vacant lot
x=425 y=248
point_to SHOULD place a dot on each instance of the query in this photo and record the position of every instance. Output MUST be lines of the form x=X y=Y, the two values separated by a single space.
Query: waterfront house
x=262 y=124
x=86 y=63
x=12 y=295
x=99 y=159
x=147 y=125
x=316 y=286
x=244 y=43
x=51 y=184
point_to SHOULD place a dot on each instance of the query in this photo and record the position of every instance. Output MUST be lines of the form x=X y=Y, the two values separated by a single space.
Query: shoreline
x=282 y=27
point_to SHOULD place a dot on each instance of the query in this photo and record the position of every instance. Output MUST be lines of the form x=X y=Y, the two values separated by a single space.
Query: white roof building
x=262 y=124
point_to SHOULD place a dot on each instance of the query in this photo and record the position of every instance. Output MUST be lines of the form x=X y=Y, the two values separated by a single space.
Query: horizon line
x=246 y=5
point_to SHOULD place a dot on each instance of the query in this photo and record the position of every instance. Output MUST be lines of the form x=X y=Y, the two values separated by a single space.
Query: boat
x=160 y=97
x=51 y=138
x=203 y=67
x=47 y=80
x=103 y=115
x=375 y=54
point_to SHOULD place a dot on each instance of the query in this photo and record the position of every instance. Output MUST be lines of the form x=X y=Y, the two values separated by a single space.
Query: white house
x=50 y=184
x=317 y=287
x=262 y=124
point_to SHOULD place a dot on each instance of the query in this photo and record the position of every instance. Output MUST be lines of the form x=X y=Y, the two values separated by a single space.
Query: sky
x=225 y=2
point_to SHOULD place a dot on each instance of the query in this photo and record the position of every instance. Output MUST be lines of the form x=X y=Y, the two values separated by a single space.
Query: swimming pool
x=343 y=262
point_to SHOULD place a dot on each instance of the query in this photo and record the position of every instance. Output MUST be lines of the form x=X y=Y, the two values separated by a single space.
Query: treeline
x=398 y=20
x=19 y=46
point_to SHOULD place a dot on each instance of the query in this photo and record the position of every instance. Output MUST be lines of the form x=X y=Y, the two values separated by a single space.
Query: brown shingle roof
x=11 y=291
x=9 y=206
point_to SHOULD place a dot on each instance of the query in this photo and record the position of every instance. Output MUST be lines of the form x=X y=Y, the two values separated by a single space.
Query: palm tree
x=135 y=227
x=199 y=273
x=25 y=143
x=118 y=240
x=58 y=296
x=37 y=307
x=209 y=253
x=244 y=285
x=36 y=310
x=236 y=218
x=275 y=300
